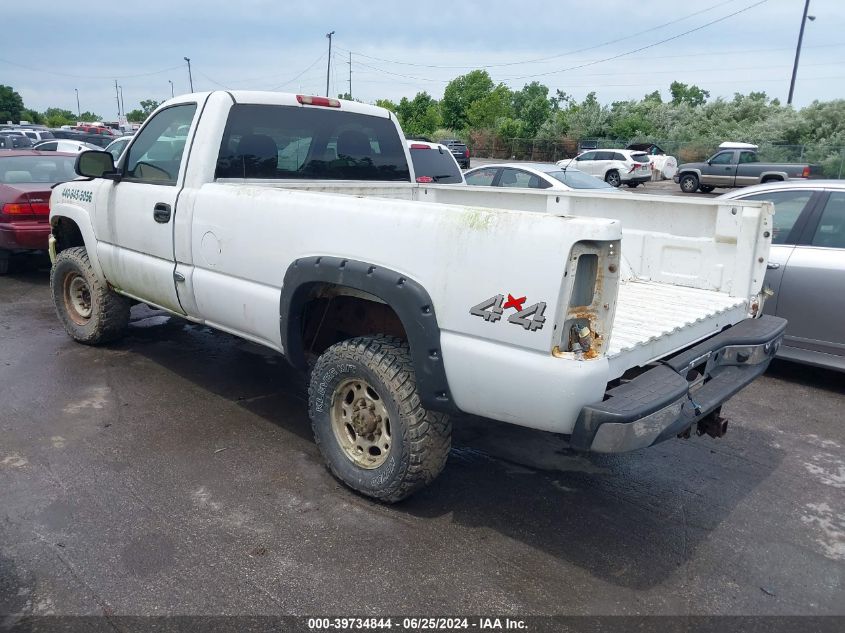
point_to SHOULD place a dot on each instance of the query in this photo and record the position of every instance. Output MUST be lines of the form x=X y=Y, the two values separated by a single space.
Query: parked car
x=14 y=141
x=433 y=162
x=26 y=178
x=61 y=145
x=736 y=165
x=116 y=147
x=95 y=129
x=806 y=268
x=37 y=134
x=459 y=150
x=534 y=176
x=100 y=140
x=615 y=166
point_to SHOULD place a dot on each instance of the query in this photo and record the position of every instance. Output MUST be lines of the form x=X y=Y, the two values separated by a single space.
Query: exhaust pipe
x=713 y=424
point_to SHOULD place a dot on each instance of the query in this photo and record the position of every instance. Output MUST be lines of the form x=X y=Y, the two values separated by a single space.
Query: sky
x=620 y=49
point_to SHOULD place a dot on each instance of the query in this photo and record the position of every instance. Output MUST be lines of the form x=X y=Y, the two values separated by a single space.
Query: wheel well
x=333 y=313
x=772 y=179
x=67 y=234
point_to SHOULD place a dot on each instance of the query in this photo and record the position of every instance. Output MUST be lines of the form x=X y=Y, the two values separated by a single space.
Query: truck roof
x=264 y=97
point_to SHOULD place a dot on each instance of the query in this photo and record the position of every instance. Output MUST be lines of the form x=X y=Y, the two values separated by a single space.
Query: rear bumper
x=640 y=178
x=24 y=235
x=669 y=399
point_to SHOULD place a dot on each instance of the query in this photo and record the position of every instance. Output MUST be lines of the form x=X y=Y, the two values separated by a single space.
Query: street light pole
x=171 y=89
x=329 y=62
x=190 y=77
x=78 y=109
x=798 y=50
x=122 y=107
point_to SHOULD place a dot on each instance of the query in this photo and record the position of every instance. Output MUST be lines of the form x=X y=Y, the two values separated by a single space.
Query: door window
x=788 y=208
x=586 y=156
x=830 y=232
x=722 y=159
x=48 y=147
x=518 y=178
x=156 y=153
x=482 y=177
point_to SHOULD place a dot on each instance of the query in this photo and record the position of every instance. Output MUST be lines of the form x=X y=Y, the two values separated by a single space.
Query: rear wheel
x=613 y=178
x=706 y=188
x=772 y=179
x=91 y=312
x=688 y=183
x=4 y=262
x=368 y=421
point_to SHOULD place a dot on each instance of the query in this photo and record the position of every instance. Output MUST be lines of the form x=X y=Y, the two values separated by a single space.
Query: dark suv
x=459 y=150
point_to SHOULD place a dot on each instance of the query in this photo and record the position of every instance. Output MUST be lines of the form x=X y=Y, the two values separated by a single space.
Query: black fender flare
x=405 y=296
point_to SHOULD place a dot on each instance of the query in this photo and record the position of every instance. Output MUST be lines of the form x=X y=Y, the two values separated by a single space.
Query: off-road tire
x=706 y=188
x=420 y=439
x=613 y=178
x=688 y=183
x=109 y=311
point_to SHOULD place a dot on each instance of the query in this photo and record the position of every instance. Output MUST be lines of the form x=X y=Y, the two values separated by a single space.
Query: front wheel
x=368 y=422
x=689 y=183
x=613 y=178
x=91 y=312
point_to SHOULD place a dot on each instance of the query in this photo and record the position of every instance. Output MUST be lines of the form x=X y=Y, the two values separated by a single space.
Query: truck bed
x=654 y=319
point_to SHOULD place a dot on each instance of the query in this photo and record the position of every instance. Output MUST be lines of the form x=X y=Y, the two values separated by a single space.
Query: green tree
x=140 y=115
x=682 y=93
x=460 y=93
x=11 y=105
x=484 y=113
x=32 y=116
x=420 y=115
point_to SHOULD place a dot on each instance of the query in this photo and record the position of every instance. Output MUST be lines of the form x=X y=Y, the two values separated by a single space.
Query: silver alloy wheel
x=77 y=298
x=613 y=179
x=361 y=423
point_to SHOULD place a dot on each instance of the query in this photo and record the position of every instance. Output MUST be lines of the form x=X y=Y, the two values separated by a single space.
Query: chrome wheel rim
x=361 y=423
x=77 y=297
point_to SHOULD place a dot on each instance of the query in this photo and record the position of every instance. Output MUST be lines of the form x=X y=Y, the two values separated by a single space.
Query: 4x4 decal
x=492 y=309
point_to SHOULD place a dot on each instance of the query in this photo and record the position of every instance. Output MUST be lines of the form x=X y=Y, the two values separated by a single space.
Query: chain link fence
x=829 y=159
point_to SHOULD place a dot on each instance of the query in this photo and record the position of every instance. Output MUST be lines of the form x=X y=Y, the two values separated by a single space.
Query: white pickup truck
x=296 y=222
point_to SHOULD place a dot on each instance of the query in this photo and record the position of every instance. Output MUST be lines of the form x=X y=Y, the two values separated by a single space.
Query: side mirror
x=95 y=164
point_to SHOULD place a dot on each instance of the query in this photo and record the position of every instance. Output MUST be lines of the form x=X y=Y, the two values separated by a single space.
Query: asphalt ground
x=174 y=473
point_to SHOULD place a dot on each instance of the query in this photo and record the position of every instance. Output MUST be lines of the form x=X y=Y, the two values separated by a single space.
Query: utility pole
x=190 y=77
x=78 y=110
x=798 y=50
x=122 y=107
x=171 y=89
x=329 y=62
x=117 y=98
x=350 y=75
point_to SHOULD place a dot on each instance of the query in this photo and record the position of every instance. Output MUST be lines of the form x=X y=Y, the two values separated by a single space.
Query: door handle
x=161 y=212
x=772 y=266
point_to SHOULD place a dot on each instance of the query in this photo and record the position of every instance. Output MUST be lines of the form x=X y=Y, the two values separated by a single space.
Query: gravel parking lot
x=174 y=473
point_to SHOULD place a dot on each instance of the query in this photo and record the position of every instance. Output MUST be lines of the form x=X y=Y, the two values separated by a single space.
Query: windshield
x=439 y=166
x=578 y=179
x=27 y=169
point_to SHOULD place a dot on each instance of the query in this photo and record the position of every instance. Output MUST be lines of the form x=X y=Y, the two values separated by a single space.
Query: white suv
x=614 y=166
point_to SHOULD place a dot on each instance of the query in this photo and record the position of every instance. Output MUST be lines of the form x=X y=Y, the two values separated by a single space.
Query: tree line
x=12 y=108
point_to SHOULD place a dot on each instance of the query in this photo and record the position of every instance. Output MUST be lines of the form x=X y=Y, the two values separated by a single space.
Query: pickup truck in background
x=736 y=165
x=295 y=222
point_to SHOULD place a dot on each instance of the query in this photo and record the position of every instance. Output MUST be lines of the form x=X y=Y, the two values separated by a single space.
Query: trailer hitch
x=713 y=424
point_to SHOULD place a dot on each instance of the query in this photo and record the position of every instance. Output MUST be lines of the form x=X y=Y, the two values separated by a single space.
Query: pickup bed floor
x=653 y=319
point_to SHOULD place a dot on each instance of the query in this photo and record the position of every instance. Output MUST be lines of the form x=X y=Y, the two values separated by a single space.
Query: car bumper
x=639 y=177
x=24 y=235
x=680 y=392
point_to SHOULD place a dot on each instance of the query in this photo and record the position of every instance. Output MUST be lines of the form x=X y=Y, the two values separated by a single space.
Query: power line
x=642 y=48
x=542 y=59
x=86 y=76
x=309 y=67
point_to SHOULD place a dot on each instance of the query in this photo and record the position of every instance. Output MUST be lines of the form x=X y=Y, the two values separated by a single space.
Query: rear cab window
x=292 y=142
x=436 y=163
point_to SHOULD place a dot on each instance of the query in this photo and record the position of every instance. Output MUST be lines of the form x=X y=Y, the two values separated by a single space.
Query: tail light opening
x=806 y=172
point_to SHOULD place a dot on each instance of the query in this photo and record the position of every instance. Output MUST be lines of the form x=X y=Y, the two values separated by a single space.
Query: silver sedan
x=806 y=267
